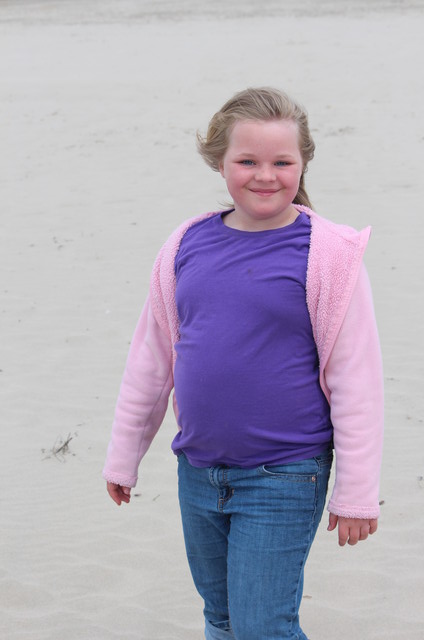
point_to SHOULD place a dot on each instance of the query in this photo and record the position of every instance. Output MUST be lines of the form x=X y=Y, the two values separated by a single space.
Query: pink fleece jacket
x=339 y=301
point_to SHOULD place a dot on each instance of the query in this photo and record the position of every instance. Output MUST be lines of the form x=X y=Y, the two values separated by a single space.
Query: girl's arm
x=355 y=379
x=142 y=401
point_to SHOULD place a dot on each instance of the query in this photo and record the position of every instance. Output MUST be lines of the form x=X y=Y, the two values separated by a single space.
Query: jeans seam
x=310 y=540
x=325 y=460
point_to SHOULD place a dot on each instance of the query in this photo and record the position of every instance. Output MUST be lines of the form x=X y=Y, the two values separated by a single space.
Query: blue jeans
x=248 y=533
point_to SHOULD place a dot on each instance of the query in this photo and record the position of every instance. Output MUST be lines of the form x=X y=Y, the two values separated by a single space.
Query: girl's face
x=262 y=168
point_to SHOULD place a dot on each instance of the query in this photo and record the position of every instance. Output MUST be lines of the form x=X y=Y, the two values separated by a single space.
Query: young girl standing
x=261 y=319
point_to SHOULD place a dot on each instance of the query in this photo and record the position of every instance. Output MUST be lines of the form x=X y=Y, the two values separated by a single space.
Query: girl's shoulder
x=174 y=240
x=162 y=279
x=165 y=259
x=334 y=233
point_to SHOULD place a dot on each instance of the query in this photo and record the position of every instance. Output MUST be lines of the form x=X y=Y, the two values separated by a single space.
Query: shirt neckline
x=241 y=232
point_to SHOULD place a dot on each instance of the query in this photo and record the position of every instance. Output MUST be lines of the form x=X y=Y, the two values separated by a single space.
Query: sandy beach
x=100 y=103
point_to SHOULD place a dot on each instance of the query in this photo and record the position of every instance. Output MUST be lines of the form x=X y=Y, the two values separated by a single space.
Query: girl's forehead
x=262 y=131
x=259 y=127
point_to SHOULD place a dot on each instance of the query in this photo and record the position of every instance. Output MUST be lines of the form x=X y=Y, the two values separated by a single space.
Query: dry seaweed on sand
x=60 y=449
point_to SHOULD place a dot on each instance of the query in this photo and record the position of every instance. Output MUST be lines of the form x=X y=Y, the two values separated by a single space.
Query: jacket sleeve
x=142 y=401
x=354 y=377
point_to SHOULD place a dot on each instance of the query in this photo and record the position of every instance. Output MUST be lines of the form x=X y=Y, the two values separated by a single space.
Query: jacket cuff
x=118 y=478
x=347 y=511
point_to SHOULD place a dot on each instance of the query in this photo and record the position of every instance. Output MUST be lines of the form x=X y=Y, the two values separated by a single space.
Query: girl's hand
x=351 y=530
x=118 y=494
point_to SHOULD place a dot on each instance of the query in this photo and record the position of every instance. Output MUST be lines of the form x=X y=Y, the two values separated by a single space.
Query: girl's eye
x=281 y=163
x=247 y=163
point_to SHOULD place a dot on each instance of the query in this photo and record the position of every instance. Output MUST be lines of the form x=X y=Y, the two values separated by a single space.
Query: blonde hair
x=263 y=103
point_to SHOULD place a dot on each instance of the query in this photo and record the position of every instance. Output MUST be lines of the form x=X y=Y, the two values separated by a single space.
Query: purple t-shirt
x=246 y=373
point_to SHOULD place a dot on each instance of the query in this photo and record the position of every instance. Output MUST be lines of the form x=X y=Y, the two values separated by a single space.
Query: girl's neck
x=245 y=223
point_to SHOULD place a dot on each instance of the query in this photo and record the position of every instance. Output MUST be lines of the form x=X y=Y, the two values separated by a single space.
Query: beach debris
x=60 y=448
x=340 y=131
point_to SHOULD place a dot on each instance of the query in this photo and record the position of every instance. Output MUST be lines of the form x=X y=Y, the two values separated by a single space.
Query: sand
x=100 y=102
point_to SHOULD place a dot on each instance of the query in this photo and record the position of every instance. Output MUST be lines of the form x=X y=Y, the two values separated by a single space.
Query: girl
x=261 y=319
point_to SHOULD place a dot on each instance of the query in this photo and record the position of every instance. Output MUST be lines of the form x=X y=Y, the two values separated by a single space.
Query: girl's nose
x=265 y=173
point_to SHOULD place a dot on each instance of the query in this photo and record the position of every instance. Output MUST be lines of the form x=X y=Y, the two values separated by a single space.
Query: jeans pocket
x=300 y=471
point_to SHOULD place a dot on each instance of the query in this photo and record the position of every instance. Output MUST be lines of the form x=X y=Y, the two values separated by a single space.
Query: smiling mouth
x=264 y=192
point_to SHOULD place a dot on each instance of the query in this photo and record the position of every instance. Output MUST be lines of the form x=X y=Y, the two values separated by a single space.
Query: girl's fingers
x=351 y=530
x=373 y=526
x=332 y=522
x=365 y=530
x=118 y=494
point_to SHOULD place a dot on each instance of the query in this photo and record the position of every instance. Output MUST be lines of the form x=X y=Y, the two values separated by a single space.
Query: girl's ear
x=221 y=169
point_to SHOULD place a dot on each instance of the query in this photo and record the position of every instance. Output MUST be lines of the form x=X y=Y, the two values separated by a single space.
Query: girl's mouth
x=264 y=192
